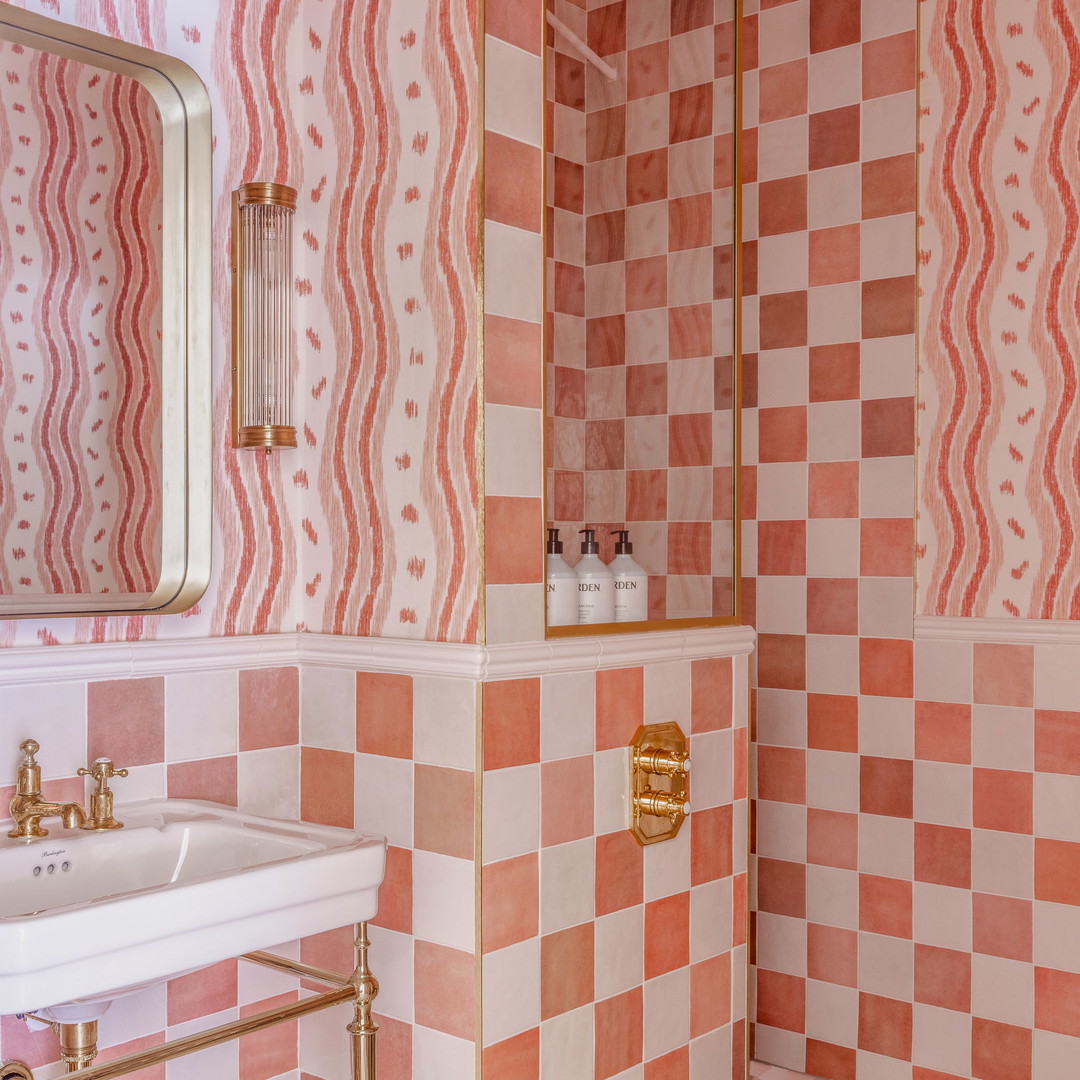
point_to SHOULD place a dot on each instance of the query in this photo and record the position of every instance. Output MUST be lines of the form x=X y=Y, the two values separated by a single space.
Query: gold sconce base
x=659 y=774
x=266 y=437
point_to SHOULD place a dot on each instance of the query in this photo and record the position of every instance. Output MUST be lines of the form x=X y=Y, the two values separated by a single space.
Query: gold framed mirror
x=105 y=377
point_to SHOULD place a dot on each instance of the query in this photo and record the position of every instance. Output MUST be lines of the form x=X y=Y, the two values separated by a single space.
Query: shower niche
x=641 y=305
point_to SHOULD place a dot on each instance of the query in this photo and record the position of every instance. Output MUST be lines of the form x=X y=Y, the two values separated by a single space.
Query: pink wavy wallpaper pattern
x=370 y=111
x=1000 y=280
x=80 y=396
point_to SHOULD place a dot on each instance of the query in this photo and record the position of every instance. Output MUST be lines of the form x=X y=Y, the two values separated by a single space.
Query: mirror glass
x=105 y=347
x=641 y=363
x=80 y=346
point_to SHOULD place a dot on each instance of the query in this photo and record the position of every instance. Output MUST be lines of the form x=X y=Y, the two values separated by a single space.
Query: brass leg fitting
x=78 y=1044
x=363 y=1028
x=15 y=1070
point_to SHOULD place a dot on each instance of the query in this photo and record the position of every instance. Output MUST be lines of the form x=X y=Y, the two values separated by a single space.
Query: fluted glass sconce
x=262 y=324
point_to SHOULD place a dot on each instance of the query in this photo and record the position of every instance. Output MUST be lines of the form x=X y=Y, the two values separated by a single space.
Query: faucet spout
x=27 y=811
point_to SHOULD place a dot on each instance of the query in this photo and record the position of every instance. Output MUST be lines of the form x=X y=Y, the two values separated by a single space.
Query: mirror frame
x=186 y=312
x=651 y=624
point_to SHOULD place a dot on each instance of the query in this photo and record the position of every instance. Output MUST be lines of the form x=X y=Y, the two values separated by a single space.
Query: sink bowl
x=86 y=917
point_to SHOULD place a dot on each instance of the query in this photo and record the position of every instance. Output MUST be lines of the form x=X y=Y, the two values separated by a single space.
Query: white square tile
x=941 y=916
x=667 y=692
x=711 y=759
x=781 y=831
x=832 y=781
x=832 y=664
x=513 y=105
x=782 y=263
x=514 y=613
x=888 y=367
x=784 y=34
x=783 y=148
x=327 y=709
x=667 y=865
x=618 y=951
x=567 y=885
x=835 y=313
x=941 y=1039
x=835 y=196
x=442 y=1057
x=886 y=487
x=888 y=247
x=832 y=897
x=782 y=491
x=832 y=1013
x=511 y=990
x=1057 y=806
x=943 y=793
x=513 y=454
x=444 y=900
x=1002 y=737
x=886 y=966
x=943 y=670
x=53 y=714
x=710 y=919
x=781 y=944
x=1056 y=936
x=783 y=377
x=268 y=782
x=611 y=776
x=834 y=431
x=511 y=812
x=835 y=78
x=444 y=722
x=392 y=957
x=566 y=1046
x=1057 y=677
x=667 y=1005
x=781 y=715
x=888 y=126
x=887 y=727
x=516 y=292
x=1003 y=990
x=886 y=607
x=384 y=797
x=1053 y=1055
x=886 y=846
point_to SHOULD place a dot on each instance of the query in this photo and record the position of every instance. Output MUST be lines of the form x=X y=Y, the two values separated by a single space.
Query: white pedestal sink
x=86 y=917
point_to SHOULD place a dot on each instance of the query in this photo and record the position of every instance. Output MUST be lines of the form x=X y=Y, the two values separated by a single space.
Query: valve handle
x=29 y=747
x=102 y=770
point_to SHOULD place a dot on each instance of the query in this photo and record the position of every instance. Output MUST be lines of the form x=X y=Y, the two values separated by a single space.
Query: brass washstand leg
x=78 y=1044
x=363 y=1028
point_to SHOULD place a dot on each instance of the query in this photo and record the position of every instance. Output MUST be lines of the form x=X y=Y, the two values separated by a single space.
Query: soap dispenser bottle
x=561 y=584
x=596 y=587
x=630 y=580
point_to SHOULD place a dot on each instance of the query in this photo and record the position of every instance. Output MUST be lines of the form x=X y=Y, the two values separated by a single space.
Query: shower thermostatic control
x=659 y=775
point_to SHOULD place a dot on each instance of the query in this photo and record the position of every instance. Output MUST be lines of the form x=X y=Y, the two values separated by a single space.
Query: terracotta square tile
x=619 y=872
x=690 y=547
x=1000 y=1051
x=782 y=887
x=569 y=82
x=690 y=440
x=445 y=989
x=517 y=23
x=886 y=786
x=943 y=732
x=833 y=489
x=607 y=28
x=569 y=502
x=687 y=15
x=673 y=1066
x=690 y=113
x=724 y=49
x=723 y=272
x=781 y=661
x=667 y=934
x=1002 y=800
x=513 y=170
x=384 y=714
x=646 y=392
x=749 y=288
x=200 y=993
x=605 y=238
x=395 y=1046
x=835 y=255
x=646 y=287
x=690 y=332
x=888 y=427
x=213 y=779
x=619 y=706
x=566 y=788
x=834 y=137
x=781 y=1000
x=885 y=1026
x=269 y=708
x=513 y=564
x=1002 y=926
x=125 y=720
x=569 y=290
x=1004 y=674
x=782 y=206
x=885 y=667
x=327 y=783
x=517 y=1058
x=569 y=185
x=332 y=949
x=690 y=223
x=512 y=374
x=619 y=1026
x=1057 y=1001
x=605 y=444
x=782 y=91
x=782 y=547
x=888 y=307
x=711 y=844
x=395 y=897
x=888 y=186
x=943 y=855
x=605 y=134
x=605 y=341
x=886 y=547
x=889 y=65
x=885 y=906
x=782 y=434
x=647 y=176
x=710 y=694
x=511 y=901
x=783 y=318
x=834 y=372
x=710 y=994
x=569 y=392
x=1057 y=742
x=832 y=605
x=832 y=722
x=273 y=1051
x=511 y=722
x=647 y=70
x=943 y=978
x=827 y=1059
x=832 y=839
x=781 y=774
x=832 y=954
x=566 y=970
x=834 y=24
x=750 y=51
x=646 y=495
x=443 y=811
x=1057 y=871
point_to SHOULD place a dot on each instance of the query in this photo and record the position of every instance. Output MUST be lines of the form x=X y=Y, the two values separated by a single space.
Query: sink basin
x=87 y=916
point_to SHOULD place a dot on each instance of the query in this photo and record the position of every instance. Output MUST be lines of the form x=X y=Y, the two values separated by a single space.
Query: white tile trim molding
x=479 y=663
x=999 y=631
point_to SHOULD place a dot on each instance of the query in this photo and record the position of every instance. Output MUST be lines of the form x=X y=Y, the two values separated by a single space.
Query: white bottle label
x=562 y=601
x=631 y=599
x=596 y=601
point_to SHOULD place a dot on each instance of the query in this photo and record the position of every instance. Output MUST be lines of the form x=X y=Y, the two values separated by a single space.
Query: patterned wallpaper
x=1000 y=269
x=79 y=352
x=370 y=112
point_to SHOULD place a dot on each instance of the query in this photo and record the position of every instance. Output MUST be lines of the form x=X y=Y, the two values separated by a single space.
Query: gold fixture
x=262 y=324
x=360 y=988
x=659 y=773
x=27 y=805
x=101 y=801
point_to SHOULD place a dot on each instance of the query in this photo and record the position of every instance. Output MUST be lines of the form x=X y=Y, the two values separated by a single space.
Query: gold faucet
x=101 y=801
x=27 y=805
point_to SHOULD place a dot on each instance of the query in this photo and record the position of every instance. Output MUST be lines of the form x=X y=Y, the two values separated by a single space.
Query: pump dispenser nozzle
x=554 y=544
x=589 y=546
x=623 y=545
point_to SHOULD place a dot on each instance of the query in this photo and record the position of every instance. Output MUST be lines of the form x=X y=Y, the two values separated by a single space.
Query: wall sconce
x=262 y=323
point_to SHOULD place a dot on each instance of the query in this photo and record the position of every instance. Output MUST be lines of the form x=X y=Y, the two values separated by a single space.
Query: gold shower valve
x=659 y=775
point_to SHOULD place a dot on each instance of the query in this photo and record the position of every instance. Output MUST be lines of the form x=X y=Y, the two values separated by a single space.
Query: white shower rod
x=600 y=64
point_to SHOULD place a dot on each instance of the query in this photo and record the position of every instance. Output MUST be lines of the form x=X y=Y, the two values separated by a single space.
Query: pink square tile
x=384 y=714
x=511 y=901
x=619 y=1025
x=443 y=811
x=445 y=989
x=326 y=787
x=269 y=708
x=647 y=70
x=273 y=1051
x=566 y=793
x=213 y=779
x=1002 y=800
x=126 y=720
x=782 y=91
x=1004 y=674
x=781 y=1000
x=209 y=990
x=667 y=934
x=511 y=723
